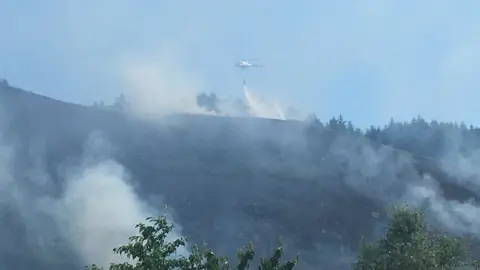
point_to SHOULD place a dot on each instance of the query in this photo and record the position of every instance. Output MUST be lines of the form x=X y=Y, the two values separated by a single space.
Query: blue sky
x=368 y=60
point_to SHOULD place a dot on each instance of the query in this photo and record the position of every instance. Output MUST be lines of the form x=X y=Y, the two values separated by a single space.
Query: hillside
x=231 y=180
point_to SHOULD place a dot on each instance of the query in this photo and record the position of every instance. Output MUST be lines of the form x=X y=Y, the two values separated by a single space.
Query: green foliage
x=408 y=245
x=150 y=250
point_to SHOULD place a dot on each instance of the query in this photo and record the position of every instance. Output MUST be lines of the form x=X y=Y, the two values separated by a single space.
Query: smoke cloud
x=391 y=176
x=160 y=85
x=260 y=108
x=158 y=88
x=250 y=106
x=96 y=211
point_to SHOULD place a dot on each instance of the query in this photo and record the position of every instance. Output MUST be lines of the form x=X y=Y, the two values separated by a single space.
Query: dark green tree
x=408 y=245
x=151 y=251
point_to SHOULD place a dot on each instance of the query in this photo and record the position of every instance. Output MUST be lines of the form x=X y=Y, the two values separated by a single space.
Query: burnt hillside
x=231 y=180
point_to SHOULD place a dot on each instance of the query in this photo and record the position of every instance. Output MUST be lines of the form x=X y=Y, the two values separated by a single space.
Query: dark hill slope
x=229 y=180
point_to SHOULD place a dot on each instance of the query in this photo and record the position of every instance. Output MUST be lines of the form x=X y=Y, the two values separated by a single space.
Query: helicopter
x=246 y=63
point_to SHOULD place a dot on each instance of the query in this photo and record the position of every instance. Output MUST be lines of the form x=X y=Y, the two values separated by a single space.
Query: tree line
x=407 y=244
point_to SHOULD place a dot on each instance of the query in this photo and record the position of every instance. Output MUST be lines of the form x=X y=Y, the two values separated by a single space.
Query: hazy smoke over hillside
x=391 y=177
x=96 y=203
x=251 y=105
x=95 y=212
x=156 y=88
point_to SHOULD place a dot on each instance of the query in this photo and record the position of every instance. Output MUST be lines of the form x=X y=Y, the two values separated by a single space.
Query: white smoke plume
x=96 y=212
x=458 y=217
x=389 y=176
x=260 y=108
x=251 y=105
x=463 y=165
x=159 y=86
x=100 y=208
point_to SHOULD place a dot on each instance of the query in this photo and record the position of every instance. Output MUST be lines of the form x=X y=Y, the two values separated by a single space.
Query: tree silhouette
x=151 y=251
x=408 y=245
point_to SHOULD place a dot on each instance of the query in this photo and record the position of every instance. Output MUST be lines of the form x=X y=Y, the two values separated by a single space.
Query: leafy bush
x=151 y=250
x=406 y=245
